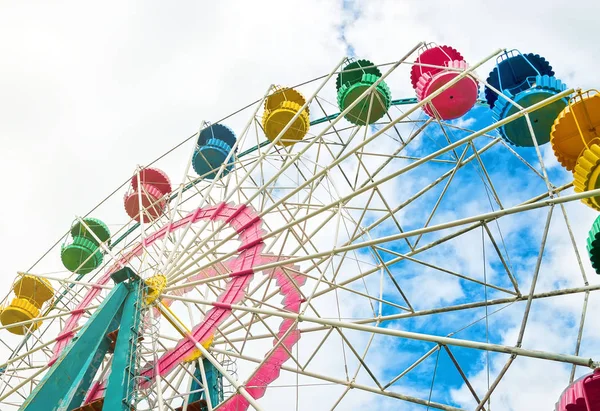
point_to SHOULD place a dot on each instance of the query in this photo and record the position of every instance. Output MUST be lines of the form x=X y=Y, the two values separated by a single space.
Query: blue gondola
x=214 y=145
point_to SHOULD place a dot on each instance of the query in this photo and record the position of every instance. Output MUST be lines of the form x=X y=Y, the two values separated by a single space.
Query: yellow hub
x=156 y=284
x=586 y=174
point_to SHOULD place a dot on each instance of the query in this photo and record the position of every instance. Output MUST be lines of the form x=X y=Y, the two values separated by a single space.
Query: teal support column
x=121 y=380
x=64 y=386
x=196 y=386
x=214 y=381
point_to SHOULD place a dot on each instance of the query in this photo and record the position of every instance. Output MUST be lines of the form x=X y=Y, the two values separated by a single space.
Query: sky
x=89 y=91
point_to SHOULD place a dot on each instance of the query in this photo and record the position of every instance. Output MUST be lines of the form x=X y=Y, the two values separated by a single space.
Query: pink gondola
x=154 y=191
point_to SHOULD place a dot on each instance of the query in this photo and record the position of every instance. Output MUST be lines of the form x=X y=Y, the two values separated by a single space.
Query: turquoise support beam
x=65 y=385
x=196 y=394
x=121 y=380
x=214 y=381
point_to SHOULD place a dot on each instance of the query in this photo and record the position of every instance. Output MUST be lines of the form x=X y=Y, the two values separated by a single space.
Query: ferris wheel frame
x=549 y=199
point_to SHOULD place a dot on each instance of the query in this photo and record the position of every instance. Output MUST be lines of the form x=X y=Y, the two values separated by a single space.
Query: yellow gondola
x=280 y=108
x=576 y=142
x=576 y=127
x=31 y=293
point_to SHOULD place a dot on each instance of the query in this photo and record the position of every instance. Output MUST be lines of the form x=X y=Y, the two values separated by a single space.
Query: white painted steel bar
x=351 y=384
x=438 y=227
x=404 y=170
x=213 y=361
x=24 y=382
x=166 y=267
x=355 y=149
x=307 y=146
x=585 y=362
x=261 y=157
x=47 y=317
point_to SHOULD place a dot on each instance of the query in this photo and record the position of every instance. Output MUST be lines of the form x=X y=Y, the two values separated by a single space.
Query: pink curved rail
x=288 y=334
x=249 y=228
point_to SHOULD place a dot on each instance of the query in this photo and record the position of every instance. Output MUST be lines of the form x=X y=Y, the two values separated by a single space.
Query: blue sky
x=466 y=196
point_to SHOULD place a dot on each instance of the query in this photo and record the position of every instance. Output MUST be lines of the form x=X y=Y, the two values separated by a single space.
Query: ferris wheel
x=329 y=246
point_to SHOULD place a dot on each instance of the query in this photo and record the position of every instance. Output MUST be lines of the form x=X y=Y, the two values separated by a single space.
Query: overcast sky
x=88 y=90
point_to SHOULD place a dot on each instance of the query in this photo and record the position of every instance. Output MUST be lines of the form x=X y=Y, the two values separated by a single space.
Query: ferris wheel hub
x=155 y=286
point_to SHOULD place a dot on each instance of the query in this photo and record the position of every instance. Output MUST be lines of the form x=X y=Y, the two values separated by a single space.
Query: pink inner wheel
x=249 y=228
